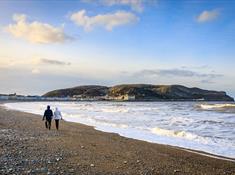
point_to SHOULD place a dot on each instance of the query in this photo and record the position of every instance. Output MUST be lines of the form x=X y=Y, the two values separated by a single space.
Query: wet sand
x=26 y=147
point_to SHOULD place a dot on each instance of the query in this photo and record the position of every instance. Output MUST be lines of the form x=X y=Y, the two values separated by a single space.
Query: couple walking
x=48 y=114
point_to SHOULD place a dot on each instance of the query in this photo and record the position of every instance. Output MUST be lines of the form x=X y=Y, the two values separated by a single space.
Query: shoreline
x=92 y=145
x=199 y=152
x=192 y=150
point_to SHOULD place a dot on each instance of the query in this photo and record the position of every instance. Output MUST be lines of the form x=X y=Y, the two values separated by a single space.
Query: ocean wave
x=213 y=106
x=179 y=134
x=180 y=121
x=89 y=120
x=115 y=110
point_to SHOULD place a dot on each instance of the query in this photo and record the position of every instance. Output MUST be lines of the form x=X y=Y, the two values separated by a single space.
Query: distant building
x=12 y=96
x=4 y=97
x=129 y=97
x=77 y=96
x=125 y=97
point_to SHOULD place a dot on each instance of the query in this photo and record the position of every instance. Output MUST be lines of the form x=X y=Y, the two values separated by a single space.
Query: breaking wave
x=216 y=106
x=179 y=134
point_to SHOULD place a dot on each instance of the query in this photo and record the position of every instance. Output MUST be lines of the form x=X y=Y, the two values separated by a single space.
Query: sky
x=53 y=44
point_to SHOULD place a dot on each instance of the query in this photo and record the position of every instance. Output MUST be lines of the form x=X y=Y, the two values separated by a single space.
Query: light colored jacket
x=57 y=114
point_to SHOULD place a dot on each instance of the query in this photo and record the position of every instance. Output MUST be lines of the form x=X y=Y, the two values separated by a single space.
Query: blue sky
x=55 y=44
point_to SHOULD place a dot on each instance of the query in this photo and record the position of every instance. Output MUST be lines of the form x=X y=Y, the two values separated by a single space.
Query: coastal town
x=17 y=97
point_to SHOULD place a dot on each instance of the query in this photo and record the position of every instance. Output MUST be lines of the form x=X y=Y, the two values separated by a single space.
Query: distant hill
x=143 y=92
x=89 y=91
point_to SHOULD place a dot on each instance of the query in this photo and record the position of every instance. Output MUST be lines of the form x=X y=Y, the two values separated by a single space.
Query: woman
x=57 y=117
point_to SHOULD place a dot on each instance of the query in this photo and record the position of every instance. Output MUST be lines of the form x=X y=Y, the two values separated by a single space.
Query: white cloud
x=136 y=5
x=36 y=71
x=54 y=62
x=208 y=15
x=36 y=32
x=108 y=21
x=177 y=73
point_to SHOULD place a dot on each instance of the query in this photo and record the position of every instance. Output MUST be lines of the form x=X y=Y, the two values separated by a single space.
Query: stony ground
x=26 y=147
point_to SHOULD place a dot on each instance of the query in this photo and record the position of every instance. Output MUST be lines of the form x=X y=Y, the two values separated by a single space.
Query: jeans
x=48 y=124
x=57 y=124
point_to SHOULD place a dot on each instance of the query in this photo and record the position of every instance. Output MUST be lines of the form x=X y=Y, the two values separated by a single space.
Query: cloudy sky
x=46 y=45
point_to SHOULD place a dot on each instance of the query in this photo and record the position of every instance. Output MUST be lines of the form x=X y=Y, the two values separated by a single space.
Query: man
x=57 y=117
x=48 y=115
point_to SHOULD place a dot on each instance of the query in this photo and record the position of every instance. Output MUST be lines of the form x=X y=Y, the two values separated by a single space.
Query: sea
x=203 y=126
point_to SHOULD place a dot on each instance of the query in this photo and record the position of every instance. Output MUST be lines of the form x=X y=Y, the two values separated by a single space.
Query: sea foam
x=214 y=106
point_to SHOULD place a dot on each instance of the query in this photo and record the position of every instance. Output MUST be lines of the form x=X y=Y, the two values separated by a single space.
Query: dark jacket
x=48 y=114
